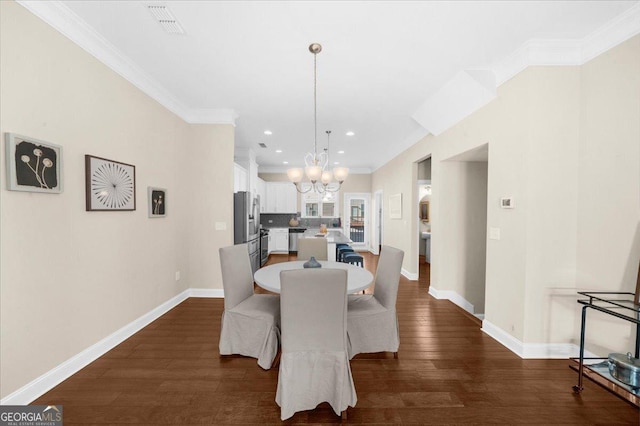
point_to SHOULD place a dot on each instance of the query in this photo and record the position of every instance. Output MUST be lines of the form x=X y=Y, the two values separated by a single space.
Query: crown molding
x=464 y=94
x=61 y=18
x=538 y=52
x=283 y=170
x=614 y=32
x=570 y=52
x=211 y=116
x=447 y=106
x=531 y=53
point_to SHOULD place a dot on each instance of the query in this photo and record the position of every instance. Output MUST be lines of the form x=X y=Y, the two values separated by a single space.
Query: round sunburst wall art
x=110 y=185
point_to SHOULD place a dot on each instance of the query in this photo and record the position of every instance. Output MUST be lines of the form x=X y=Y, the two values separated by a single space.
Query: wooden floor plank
x=448 y=372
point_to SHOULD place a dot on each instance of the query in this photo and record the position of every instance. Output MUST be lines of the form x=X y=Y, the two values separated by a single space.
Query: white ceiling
x=381 y=61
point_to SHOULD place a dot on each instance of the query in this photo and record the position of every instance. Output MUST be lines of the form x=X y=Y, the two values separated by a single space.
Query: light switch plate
x=494 y=233
x=221 y=226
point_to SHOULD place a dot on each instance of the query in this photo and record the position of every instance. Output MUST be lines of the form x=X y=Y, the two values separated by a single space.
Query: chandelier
x=321 y=178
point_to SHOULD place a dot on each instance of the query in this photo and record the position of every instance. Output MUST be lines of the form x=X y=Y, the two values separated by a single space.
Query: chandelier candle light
x=317 y=165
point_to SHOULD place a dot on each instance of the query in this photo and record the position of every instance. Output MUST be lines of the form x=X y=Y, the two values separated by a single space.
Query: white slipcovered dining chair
x=314 y=364
x=250 y=322
x=316 y=247
x=372 y=323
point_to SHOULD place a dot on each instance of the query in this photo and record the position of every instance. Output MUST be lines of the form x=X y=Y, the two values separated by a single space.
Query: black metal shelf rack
x=620 y=305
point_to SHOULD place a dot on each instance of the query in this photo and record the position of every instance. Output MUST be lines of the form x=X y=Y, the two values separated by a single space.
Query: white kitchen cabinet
x=262 y=192
x=280 y=239
x=281 y=197
x=318 y=205
x=252 y=177
x=269 y=198
x=239 y=178
x=246 y=159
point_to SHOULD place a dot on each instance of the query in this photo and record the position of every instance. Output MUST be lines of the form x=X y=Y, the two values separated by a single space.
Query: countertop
x=333 y=236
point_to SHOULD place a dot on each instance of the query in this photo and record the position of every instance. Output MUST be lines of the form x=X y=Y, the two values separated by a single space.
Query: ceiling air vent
x=262 y=145
x=165 y=18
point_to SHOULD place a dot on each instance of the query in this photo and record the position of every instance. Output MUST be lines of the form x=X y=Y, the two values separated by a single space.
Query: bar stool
x=342 y=251
x=353 y=258
x=338 y=247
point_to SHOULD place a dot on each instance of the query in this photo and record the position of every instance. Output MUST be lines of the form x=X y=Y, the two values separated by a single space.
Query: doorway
x=464 y=180
x=377 y=222
x=423 y=208
x=357 y=218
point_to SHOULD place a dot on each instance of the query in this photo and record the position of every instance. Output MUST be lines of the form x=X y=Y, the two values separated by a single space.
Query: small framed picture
x=157 y=201
x=110 y=185
x=33 y=165
x=395 y=206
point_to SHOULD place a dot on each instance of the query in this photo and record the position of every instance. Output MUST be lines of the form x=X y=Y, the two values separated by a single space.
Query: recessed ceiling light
x=350 y=133
x=335 y=163
x=268 y=132
x=340 y=152
x=278 y=151
x=285 y=162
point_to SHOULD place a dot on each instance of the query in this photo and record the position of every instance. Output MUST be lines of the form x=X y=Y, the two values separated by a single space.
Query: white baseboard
x=453 y=297
x=48 y=380
x=409 y=275
x=206 y=292
x=55 y=376
x=523 y=350
x=533 y=350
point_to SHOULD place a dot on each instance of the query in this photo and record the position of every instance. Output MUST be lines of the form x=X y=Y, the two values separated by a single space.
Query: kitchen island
x=333 y=236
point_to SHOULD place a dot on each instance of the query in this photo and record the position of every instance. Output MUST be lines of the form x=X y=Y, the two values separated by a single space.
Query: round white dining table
x=268 y=277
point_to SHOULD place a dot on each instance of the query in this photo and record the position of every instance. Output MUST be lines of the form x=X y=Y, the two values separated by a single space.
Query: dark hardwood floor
x=448 y=372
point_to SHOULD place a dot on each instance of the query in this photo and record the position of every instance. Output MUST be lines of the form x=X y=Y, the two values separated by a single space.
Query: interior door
x=357 y=217
x=376 y=222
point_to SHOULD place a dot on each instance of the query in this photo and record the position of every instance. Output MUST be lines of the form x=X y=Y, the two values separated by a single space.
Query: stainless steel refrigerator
x=246 y=224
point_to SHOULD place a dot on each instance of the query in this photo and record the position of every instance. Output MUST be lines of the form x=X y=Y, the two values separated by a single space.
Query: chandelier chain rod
x=328 y=132
x=319 y=173
x=315 y=107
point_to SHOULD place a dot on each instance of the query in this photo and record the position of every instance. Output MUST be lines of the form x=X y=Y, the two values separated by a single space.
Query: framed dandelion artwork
x=110 y=185
x=33 y=165
x=157 y=201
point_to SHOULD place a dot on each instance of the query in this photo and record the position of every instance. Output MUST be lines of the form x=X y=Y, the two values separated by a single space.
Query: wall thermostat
x=507 y=203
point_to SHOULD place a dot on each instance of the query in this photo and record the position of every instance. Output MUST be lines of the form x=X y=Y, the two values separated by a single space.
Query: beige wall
x=609 y=176
x=465 y=213
x=206 y=183
x=69 y=278
x=560 y=140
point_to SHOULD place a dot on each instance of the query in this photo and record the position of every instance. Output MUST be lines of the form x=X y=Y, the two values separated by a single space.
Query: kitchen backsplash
x=277 y=220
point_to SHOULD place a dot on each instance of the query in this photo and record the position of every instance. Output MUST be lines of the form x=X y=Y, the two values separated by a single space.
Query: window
x=311 y=209
x=319 y=205
x=328 y=209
